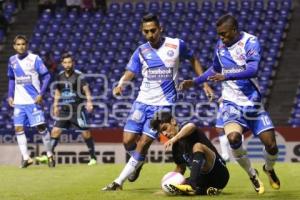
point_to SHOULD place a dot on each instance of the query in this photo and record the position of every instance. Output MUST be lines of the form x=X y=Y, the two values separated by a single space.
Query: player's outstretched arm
x=185 y=131
x=127 y=76
x=199 y=71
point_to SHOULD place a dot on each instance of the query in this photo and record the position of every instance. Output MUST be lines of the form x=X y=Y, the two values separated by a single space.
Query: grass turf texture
x=81 y=182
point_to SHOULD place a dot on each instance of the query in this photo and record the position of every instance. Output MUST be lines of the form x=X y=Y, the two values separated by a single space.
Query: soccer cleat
x=42 y=159
x=26 y=163
x=134 y=175
x=183 y=189
x=112 y=187
x=51 y=161
x=273 y=179
x=211 y=191
x=92 y=162
x=257 y=183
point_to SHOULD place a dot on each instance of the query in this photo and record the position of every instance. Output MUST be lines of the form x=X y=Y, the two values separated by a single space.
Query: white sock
x=240 y=155
x=22 y=142
x=269 y=160
x=129 y=168
x=224 y=145
x=47 y=141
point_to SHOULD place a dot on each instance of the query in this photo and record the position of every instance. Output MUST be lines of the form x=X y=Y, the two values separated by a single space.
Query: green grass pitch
x=81 y=182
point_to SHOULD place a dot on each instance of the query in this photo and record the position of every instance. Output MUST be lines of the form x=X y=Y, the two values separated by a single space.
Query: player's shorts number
x=266 y=120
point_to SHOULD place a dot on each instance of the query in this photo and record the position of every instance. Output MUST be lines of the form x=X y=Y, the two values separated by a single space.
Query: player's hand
x=39 y=99
x=208 y=92
x=89 y=106
x=186 y=84
x=55 y=111
x=11 y=102
x=168 y=145
x=117 y=91
x=216 y=77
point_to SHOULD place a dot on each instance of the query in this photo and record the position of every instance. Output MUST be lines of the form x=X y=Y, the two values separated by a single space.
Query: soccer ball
x=171 y=178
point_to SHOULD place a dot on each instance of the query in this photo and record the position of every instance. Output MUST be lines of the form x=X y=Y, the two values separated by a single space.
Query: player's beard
x=69 y=70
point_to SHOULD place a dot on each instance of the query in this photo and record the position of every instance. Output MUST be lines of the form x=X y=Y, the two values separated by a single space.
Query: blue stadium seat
x=180 y=6
x=272 y=5
x=140 y=7
x=127 y=7
x=154 y=7
x=220 y=5
x=114 y=7
x=246 y=5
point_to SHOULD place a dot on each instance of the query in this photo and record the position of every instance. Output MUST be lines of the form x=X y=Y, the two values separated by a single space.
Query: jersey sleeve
x=252 y=48
x=40 y=66
x=134 y=65
x=10 y=72
x=184 y=51
x=216 y=63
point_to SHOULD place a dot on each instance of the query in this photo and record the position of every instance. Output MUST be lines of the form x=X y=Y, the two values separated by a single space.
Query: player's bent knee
x=55 y=133
x=144 y=144
x=198 y=147
x=41 y=127
x=86 y=134
x=129 y=139
x=235 y=139
x=272 y=148
x=19 y=129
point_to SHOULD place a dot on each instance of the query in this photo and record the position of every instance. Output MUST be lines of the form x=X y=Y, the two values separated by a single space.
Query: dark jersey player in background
x=192 y=149
x=68 y=106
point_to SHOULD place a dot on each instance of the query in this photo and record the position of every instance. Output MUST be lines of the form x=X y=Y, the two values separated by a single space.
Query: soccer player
x=68 y=88
x=28 y=81
x=235 y=64
x=158 y=62
x=192 y=149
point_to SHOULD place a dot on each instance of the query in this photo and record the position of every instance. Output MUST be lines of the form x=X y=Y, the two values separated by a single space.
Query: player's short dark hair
x=66 y=55
x=22 y=37
x=229 y=19
x=150 y=17
x=160 y=117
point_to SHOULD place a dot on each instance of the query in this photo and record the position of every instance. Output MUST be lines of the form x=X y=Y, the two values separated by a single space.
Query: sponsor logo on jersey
x=173 y=46
x=159 y=73
x=23 y=80
x=170 y=53
x=234 y=70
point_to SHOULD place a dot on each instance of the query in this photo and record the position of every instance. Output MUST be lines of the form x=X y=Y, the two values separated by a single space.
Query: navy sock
x=90 y=144
x=198 y=161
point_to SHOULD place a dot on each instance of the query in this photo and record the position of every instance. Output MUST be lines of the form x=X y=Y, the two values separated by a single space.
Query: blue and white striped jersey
x=243 y=54
x=159 y=68
x=26 y=73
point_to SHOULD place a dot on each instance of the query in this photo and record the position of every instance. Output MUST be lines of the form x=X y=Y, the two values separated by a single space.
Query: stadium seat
x=140 y=7
x=154 y=7
x=114 y=7
x=127 y=7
